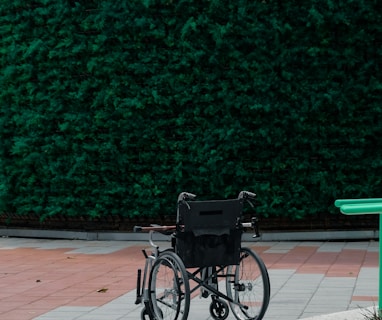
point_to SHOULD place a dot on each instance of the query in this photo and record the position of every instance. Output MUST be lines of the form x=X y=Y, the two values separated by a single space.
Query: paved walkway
x=45 y=279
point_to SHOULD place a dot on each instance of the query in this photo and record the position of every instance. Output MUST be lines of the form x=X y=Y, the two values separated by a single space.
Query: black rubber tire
x=219 y=309
x=144 y=314
x=169 y=301
x=248 y=285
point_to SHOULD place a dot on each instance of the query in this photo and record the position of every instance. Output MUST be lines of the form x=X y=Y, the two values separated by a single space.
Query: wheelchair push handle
x=247 y=195
x=184 y=196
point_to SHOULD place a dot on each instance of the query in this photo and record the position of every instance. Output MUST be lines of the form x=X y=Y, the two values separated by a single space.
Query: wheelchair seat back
x=210 y=234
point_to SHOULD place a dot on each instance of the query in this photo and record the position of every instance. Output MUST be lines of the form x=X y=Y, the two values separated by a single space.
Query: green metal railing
x=366 y=206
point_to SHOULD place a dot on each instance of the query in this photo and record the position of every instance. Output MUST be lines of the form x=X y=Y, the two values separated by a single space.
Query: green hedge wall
x=113 y=107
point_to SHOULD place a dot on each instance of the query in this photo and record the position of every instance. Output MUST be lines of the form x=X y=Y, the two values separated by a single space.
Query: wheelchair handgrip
x=186 y=196
x=247 y=195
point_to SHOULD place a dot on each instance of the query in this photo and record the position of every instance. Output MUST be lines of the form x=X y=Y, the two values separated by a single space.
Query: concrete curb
x=357 y=314
x=130 y=236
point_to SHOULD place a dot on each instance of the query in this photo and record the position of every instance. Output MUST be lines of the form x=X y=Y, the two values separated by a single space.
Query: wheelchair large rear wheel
x=169 y=289
x=248 y=286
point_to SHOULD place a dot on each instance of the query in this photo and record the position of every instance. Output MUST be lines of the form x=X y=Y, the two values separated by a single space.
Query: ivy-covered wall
x=114 y=107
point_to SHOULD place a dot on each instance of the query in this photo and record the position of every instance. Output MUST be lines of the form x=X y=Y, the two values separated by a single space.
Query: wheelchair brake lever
x=250 y=203
x=256 y=227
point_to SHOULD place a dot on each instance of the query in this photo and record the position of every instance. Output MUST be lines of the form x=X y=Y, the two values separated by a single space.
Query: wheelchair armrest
x=137 y=229
x=166 y=230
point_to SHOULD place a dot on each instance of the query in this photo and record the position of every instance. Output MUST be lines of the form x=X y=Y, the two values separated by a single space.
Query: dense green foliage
x=113 y=107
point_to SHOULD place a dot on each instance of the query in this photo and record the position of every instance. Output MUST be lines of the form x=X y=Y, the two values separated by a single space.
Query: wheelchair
x=205 y=257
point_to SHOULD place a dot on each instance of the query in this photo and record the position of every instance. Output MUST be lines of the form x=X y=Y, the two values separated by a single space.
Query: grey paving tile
x=281 y=272
x=357 y=245
x=368 y=273
x=338 y=282
x=259 y=243
x=278 y=279
x=281 y=316
x=65 y=313
x=362 y=304
x=100 y=316
x=331 y=247
x=94 y=250
x=373 y=246
x=311 y=243
x=304 y=279
x=282 y=247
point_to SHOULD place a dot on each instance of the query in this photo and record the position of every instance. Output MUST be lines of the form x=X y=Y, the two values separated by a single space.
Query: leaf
x=35 y=45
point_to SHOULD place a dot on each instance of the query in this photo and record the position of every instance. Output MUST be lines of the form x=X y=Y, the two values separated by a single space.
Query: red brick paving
x=365 y=298
x=34 y=281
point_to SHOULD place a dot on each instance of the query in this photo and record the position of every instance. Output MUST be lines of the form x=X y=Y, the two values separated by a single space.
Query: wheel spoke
x=248 y=286
x=169 y=289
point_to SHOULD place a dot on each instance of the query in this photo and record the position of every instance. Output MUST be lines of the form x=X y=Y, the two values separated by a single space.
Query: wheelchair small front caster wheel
x=219 y=309
x=144 y=314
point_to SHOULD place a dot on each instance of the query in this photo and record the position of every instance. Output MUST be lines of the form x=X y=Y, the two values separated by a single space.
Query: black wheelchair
x=205 y=256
